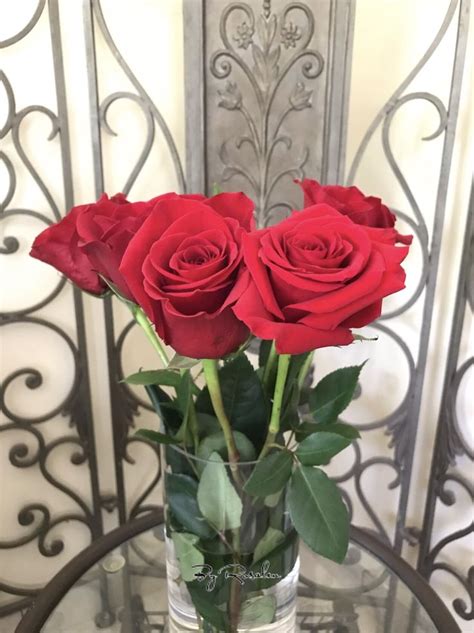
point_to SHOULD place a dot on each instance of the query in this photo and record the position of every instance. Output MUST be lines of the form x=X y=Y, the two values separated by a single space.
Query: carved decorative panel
x=274 y=74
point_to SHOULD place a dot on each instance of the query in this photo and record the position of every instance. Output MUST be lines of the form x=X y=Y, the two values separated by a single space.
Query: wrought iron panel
x=48 y=502
x=451 y=489
x=426 y=224
x=130 y=453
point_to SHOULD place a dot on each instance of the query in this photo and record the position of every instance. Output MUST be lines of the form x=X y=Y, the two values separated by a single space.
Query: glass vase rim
x=189 y=455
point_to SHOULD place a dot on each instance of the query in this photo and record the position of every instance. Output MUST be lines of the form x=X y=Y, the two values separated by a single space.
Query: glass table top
x=125 y=592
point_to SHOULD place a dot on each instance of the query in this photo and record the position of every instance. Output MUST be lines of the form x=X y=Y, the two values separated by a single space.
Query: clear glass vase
x=237 y=571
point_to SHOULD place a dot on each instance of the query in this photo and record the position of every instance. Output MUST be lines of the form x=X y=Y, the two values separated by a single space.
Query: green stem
x=304 y=370
x=212 y=380
x=235 y=588
x=279 y=447
x=193 y=424
x=147 y=327
x=274 y=427
x=271 y=360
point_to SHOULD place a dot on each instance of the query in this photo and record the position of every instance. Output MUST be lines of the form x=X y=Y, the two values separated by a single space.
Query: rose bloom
x=88 y=243
x=184 y=267
x=315 y=276
x=361 y=209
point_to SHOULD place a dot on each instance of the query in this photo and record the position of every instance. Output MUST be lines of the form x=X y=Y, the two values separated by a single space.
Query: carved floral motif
x=264 y=66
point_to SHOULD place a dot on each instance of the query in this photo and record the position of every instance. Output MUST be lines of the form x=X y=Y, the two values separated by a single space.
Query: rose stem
x=193 y=424
x=274 y=426
x=271 y=360
x=147 y=327
x=301 y=378
x=234 y=598
x=212 y=380
x=304 y=370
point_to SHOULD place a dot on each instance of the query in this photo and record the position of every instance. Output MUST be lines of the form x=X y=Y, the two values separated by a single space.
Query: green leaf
x=308 y=428
x=245 y=403
x=291 y=395
x=187 y=554
x=154 y=377
x=182 y=362
x=319 y=513
x=207 y=424
x=270 y=474
x=217 y=498
x=267 y=543
x=132 y=306
x=183 y=400
x=271 y=501
x=177 y=463
x=181 y=493
x=183 y=393
x=205 y=606
x=333 y=393
x=280 y=561
x=318 y=448
x=257 y=611
x=240 y=350
x=361 y=337
x=164 y=407
x=264 y=352
x=296 y=365
x=216 y=442
x=155 y=436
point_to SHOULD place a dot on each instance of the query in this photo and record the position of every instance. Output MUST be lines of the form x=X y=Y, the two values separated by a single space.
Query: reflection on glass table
x=123 y=589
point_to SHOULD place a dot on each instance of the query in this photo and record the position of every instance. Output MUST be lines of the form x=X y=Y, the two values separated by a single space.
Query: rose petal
x=251 y=244
x=290 y=338
x=234 y=205
x=58 y=246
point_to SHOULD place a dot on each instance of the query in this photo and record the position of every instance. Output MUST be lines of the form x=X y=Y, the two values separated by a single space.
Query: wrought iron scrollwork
x=453 y=457
x=37 y=436
x=401 y=424
x=126 y=405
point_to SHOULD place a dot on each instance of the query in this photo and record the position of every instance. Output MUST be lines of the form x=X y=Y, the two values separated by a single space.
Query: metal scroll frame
x=71 y=573
x=414 y=404
x=125 y=405
x=450 y=442
x=77 y=405
x=402 y=424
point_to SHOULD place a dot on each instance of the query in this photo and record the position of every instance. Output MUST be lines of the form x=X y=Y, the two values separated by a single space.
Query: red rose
x=73 y=244
x=184 y=268
x=315 y=276
x=361 y=209
x=91 y=239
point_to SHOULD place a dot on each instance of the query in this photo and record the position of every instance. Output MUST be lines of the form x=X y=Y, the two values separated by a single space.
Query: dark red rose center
x=197 y=255
x=322 y=251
